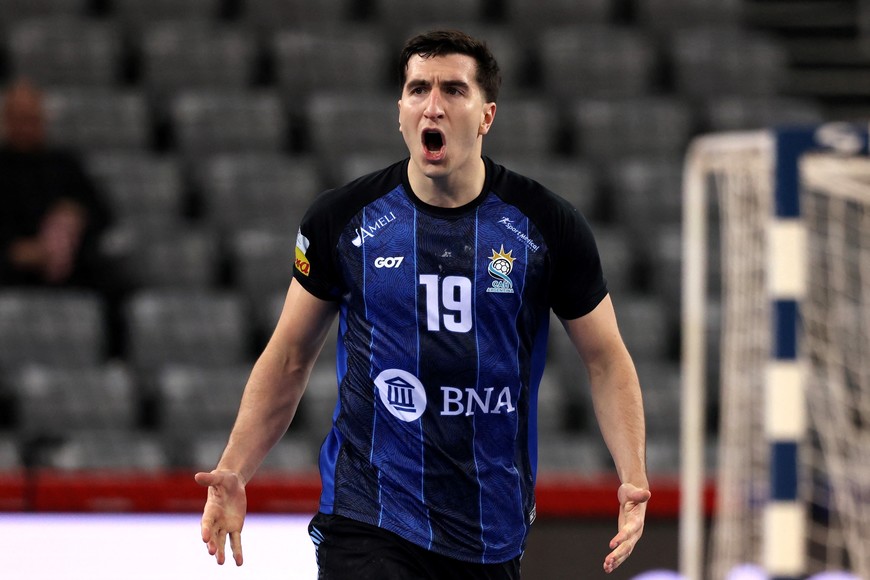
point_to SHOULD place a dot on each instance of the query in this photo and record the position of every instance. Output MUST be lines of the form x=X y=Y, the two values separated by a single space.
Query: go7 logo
x=389 y=262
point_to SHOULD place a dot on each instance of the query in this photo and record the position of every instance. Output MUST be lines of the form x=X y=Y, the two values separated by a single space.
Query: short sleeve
x=315 y=265
x=577 y=284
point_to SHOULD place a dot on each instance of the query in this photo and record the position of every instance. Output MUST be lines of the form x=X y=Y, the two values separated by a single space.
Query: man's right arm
x=278 y=380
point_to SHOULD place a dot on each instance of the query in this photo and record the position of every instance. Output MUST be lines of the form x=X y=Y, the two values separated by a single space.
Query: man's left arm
x=618 y=404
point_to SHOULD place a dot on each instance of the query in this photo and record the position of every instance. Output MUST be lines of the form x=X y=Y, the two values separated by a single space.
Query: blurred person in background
x=51 y=214
x=443 y=269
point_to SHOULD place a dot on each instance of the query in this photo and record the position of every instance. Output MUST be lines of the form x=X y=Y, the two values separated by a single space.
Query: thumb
x=206 y=479
x=638 y=495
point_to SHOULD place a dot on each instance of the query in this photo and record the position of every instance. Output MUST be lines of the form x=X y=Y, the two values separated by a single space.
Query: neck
x=455 y=189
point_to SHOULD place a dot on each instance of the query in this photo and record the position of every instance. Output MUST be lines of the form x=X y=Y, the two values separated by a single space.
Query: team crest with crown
x=501 y=265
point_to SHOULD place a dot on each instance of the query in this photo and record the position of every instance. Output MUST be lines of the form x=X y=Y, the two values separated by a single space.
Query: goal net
x=787 y=420
x=836 y=323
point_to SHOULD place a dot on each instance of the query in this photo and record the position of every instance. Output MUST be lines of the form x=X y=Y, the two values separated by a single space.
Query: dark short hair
x=444 y=42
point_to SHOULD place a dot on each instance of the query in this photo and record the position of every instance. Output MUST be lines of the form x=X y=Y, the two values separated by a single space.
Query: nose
x=434 y=110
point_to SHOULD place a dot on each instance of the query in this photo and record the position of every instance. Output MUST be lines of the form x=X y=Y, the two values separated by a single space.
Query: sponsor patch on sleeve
x=302 y=264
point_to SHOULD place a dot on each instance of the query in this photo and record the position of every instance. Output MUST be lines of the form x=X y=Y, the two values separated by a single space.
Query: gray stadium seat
x=65 y=52
x=665 y=255
x=660 y=382
x=98 y=119
x=646 y=193
x=262 y=263
x=196 y=399
x=195 y=55
x=341 y=124
x=258 y=190
x=10 y=453
x=140 y=187
x=734 y=113
x=15 y=11
x=349 y=59
x=523 y=126
x=645 y=326
x=715 y=61
x=597 y=61
x=211 y=122
x=205 y=327
x=136 y=14
x=533 y=16
x=61 y=327
x=666 y=16
x=270 y=15
x=663 y=456
x=617 y=257
x=107 y=450
x=606 y=130
x=55 y=401
x=572 y=454
x=398 y=16
x=291 y=454
x=355 y=165
x=165 y=255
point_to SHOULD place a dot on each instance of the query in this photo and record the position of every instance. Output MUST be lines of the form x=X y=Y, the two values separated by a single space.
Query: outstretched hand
x=224 y=513
x=632 y=511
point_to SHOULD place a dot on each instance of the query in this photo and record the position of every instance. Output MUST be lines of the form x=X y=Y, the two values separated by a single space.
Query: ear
x=399 y=104
x=487 y=119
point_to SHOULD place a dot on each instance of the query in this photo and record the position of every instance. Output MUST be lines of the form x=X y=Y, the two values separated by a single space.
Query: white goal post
x=769 y=450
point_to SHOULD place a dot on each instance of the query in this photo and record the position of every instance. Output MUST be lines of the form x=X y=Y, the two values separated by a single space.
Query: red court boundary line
x=558 y=495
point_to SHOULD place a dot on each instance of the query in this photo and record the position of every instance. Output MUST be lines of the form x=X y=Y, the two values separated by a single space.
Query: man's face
x=443 y=114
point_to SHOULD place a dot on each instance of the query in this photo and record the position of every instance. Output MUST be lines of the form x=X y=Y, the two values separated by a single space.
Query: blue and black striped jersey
x=443 y=327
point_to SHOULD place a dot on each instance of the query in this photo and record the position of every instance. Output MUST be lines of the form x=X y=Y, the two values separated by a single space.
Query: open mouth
x=433 y=141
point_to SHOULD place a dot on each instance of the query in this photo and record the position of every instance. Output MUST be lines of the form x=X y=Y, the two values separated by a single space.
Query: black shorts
x=350 y=550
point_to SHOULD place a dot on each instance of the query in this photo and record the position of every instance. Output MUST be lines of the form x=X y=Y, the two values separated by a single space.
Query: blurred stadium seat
x=114 y=449
x=98 y=119
x=137 y=14
x=607 y=130
x=597 y=61
x=195 y=55
x=525 y=126
x=532 y=17
x=195 y=399
x=736 y=113
x=249 y=190
x=210 y=122
x=665 y=16
x=351 y=59
x=13 y=12
x=64 y=51
x=56 y=401
x=165 y=255
x=140 y=186
x=206 y=327
x=343 y=123
x=266 y=16
x=724 y=61
x=57 y=327
x=262 y=262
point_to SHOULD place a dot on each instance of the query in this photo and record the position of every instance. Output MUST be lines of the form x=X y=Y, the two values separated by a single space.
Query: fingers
x=617 y=556
x=236 y=547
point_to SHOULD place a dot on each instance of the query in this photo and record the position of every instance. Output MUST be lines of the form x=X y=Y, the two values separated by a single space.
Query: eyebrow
x=457 y=84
